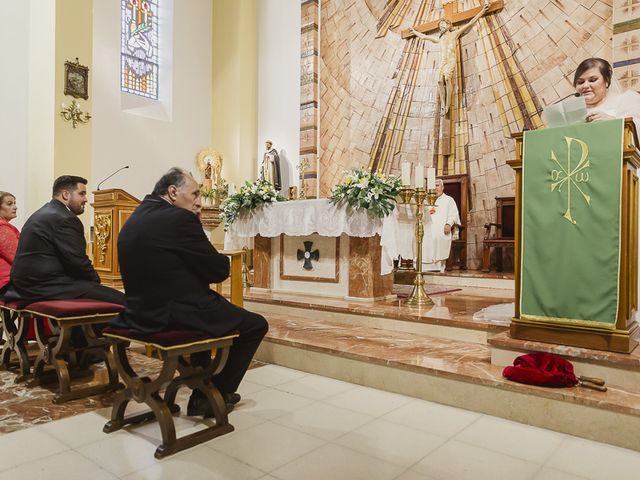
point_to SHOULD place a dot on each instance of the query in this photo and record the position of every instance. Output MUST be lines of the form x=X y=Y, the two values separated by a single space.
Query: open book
x=567 y=112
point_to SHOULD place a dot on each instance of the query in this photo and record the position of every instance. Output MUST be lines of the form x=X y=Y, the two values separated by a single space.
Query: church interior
x=376 y=365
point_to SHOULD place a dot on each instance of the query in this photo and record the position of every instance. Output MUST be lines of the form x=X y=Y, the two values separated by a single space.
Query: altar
x=318 y=248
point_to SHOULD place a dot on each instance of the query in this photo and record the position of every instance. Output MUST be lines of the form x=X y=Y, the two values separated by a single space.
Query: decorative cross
x=452 y=14
x=307 y=255
x=571 y=176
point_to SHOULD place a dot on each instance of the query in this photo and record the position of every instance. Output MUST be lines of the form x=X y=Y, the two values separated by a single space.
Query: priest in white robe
x=439 y=222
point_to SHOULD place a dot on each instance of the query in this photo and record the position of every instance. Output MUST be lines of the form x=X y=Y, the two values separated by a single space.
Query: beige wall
x=73 y=38
x=234 y=100
x=40 y=105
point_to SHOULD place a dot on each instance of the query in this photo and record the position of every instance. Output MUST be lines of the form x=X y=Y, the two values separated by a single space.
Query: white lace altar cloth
x=304 y=217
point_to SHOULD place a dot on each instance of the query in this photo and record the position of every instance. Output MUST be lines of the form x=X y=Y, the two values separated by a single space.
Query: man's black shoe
x=232 y=398
x=198 y=405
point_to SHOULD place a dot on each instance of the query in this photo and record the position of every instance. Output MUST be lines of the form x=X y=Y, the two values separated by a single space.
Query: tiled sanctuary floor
x=292 y=425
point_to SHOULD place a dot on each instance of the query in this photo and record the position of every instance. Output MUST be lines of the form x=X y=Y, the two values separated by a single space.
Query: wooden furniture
x=16 y=328
x=175 y=350
x=504 y=236
x=235 y=277
x=68 y=360
x=457 y=187
x=622 y=337
x=111 y=208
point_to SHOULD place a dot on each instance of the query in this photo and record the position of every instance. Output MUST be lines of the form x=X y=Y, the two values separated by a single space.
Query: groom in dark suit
x=167 y=264
x=51 y=262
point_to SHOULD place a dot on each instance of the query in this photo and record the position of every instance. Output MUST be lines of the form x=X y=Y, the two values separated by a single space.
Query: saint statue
x=448 y=40
x=206 y=181
x=209 y=163
x=270 y=169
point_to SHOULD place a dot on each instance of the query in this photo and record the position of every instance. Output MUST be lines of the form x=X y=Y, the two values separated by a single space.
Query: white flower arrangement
x=250 y=196
x=374 y=192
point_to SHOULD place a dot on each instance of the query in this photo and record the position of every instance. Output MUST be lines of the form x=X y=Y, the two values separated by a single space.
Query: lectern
x=576 y=283
x=111 y=208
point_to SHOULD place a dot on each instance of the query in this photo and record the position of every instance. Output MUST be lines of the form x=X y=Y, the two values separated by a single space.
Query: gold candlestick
x=418 y=295
x=245 y=268
x=303 y=165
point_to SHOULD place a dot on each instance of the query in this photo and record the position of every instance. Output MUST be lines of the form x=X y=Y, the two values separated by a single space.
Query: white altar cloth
x=304 y=217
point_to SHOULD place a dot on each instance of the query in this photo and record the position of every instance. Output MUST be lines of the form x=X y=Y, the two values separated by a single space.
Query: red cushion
x=15 y=305
x=166 y=338
x=541 y=368
x=79 y=307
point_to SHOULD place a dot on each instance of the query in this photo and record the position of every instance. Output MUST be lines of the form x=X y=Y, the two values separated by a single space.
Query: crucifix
x=448 y=40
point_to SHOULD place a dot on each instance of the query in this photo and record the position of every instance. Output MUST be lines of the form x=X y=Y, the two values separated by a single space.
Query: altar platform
x=440 y=353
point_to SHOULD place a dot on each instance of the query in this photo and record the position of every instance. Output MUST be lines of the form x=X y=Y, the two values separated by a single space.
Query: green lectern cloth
x=571 y=192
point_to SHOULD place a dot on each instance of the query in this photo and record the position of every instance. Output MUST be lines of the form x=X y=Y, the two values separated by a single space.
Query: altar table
x=318 y=248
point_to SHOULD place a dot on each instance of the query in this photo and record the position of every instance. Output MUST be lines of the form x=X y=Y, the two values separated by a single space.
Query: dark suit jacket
x=51 y=261
x=167 y=264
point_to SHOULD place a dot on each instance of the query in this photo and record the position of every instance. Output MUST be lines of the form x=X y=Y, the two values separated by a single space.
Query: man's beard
x=77 y=209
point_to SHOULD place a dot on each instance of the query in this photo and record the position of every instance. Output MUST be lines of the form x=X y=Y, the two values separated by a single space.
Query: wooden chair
x=504 y=235
x=457 y=187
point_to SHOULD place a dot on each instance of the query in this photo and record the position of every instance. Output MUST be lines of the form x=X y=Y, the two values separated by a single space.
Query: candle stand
x=418 y=296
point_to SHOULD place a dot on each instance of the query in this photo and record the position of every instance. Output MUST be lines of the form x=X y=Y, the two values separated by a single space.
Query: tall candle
x=419 y=176
x=406 y=173
x=431 y=178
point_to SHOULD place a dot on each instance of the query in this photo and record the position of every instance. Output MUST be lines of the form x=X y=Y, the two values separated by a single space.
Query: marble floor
x=294 y=425
x=23 y=406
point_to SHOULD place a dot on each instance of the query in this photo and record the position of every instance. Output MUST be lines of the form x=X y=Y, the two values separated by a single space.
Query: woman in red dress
x=9 y=236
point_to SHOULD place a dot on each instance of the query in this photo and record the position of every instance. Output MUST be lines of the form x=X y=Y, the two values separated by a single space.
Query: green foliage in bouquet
x=374 y=192
x=250 y=196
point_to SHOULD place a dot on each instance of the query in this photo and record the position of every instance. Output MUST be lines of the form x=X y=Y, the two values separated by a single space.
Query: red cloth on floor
x=541 y=368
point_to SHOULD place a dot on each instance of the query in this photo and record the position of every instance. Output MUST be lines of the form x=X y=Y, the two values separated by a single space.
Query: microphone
x=118 y=170
x=576 y=94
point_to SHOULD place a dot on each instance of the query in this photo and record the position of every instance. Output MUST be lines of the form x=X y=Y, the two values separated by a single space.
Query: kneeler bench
x=57 y=350
x=174 y=348
x=16 y=328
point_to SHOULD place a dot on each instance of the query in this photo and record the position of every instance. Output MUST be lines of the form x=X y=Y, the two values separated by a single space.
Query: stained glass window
x=139 y=48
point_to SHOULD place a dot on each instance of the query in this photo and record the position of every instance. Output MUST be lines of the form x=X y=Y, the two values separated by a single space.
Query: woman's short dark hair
x=176 y=177
x=605 y=69
x=67 y=182
x=5 y=194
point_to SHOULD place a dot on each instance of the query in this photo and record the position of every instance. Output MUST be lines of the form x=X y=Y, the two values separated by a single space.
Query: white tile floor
x=295 y=426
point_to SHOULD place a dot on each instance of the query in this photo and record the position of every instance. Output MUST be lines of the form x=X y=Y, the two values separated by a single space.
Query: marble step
x=450 y=372
x=458 y=278
x=620 y=369
x=450 y=317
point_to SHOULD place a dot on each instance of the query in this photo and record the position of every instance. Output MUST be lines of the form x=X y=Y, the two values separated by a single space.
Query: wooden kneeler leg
x=189 y=375
x=45 y=344
x=142 y=389
x=16 y=331
x=59 y=353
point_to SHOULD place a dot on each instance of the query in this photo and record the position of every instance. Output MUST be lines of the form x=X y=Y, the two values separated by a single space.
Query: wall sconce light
x=74 y=114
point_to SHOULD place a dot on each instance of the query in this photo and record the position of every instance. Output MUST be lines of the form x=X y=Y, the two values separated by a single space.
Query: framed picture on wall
x=76 y=79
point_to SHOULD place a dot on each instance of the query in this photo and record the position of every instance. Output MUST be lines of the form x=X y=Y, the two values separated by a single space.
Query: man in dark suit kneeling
x=167 y=264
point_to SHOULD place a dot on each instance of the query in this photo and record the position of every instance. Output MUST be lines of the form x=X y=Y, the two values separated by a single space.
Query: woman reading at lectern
x=602 y=93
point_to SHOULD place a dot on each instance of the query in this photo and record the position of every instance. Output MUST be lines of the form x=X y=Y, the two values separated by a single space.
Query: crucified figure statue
x=448 y=40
